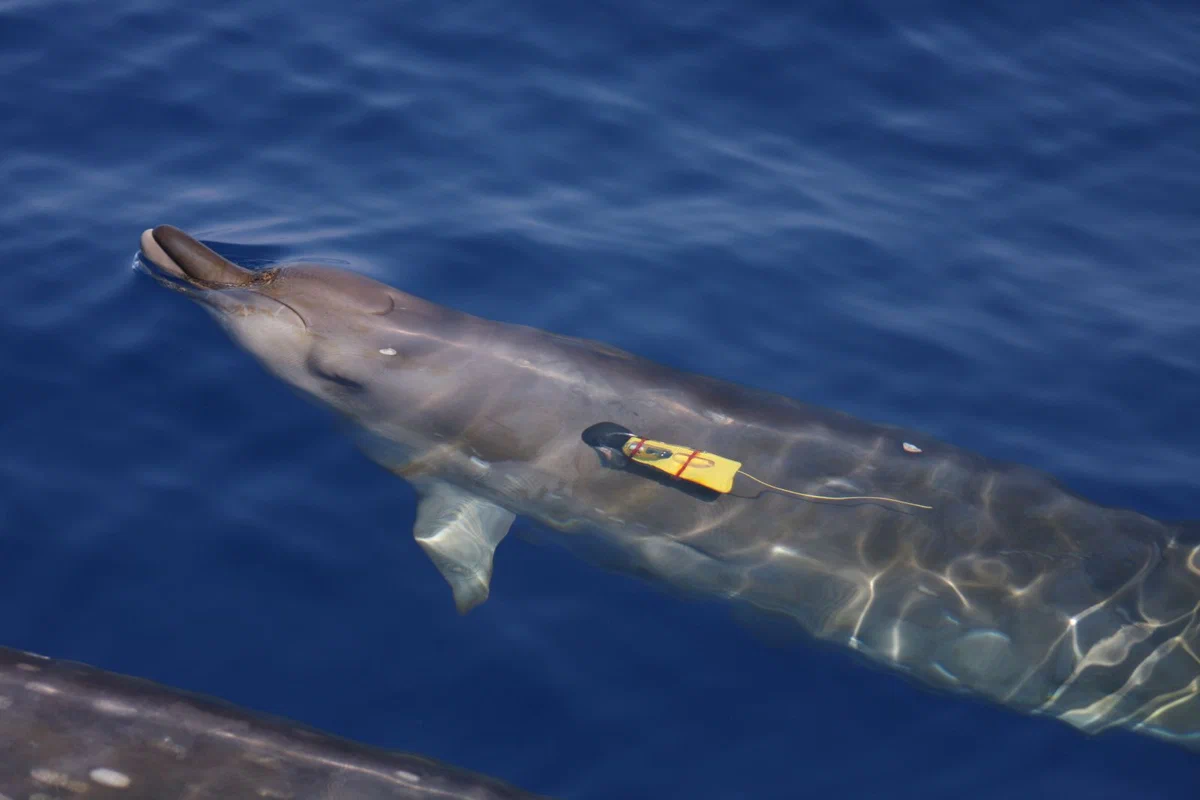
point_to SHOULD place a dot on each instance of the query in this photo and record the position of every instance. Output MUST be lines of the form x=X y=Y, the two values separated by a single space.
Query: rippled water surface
x=977 y=221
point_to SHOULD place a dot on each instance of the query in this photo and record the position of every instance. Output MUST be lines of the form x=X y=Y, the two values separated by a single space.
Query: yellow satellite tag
x=699 y=466
x=707 y=469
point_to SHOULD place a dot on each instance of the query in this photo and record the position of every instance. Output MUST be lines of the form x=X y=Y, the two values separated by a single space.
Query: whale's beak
x=180 y=256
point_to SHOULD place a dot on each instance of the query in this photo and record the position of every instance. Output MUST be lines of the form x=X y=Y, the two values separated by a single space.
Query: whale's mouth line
x=154 y=259
x=182 y=257
x=167 y=273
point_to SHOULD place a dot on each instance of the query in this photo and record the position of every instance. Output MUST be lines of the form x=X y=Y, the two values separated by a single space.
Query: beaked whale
x=968 y=574
x=72 y=730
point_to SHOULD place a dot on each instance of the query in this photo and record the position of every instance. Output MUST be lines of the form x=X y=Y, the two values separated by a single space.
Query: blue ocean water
x=976 y=220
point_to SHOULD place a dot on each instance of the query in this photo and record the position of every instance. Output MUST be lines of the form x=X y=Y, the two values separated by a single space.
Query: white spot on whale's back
x=59 y=780
x=110 y=778
x=115 y=708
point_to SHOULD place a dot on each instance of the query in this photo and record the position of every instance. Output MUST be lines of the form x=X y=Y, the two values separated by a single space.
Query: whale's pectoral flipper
x=459 y=532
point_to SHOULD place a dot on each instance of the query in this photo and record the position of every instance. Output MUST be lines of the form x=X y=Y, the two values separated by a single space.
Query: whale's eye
x=327 y=370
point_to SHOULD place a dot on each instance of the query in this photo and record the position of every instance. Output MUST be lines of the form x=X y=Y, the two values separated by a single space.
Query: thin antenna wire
x=823 y=497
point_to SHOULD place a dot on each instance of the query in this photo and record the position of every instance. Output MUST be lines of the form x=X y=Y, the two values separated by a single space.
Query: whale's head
x=339 y=336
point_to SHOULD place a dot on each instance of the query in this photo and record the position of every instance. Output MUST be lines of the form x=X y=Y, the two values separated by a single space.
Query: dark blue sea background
x=980 y=221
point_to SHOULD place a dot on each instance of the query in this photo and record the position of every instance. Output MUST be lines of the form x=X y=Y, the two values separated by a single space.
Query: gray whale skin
x=69 y=730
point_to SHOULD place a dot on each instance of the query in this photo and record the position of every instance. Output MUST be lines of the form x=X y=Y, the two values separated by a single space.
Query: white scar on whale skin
x=965 y=573
x=100 y=734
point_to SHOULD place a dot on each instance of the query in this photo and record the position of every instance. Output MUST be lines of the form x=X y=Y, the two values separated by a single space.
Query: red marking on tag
x=685 y=463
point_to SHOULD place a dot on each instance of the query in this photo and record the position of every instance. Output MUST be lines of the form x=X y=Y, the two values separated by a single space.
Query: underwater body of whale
x=967 y=574
x=71 y=730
